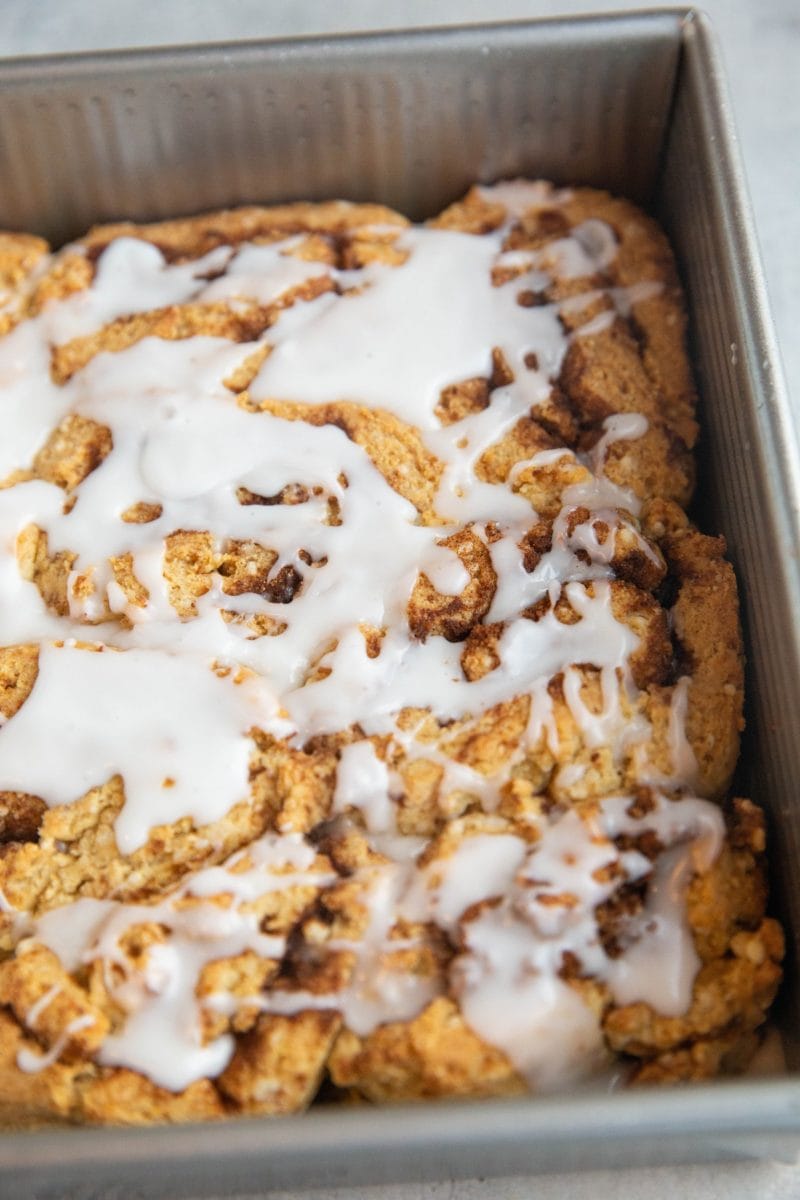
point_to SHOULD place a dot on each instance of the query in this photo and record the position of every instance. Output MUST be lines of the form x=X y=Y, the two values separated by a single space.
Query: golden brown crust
x=740 y=951
x=20 y=255
x=435 y=1055
x=670 y=586
x=278 y=1065
x=657 y=322
x=192 y=237
x=395 y=447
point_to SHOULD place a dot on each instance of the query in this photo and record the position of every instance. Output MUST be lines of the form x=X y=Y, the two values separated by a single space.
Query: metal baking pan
x=634 y=103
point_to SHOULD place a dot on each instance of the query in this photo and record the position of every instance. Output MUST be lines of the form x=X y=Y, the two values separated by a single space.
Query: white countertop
x=761 y=49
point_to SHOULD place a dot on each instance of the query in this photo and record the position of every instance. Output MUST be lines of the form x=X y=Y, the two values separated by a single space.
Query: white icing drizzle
x=210 y=917
x=479 y=869
x=508 y=979
x=362 y=782
x=197 y=768
x=622 y=427
x=429 y=673
x=262 y=273
x=684 y=770
x=131 y=277
x=188 y=447
x=30 y=1061
x=519 y=910
x=28 y=392
x=563 y=562
x=518 y=196
x=607 y=503
x=343 y=351
x=168 y=703
x=456 y=776
x=660 y=966
x=590 y=247
x=461 y=495
x=376 y=992
x=683 y=758
x=38 y=1007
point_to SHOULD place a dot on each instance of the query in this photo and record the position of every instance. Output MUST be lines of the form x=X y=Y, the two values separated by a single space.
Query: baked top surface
x=366 y=690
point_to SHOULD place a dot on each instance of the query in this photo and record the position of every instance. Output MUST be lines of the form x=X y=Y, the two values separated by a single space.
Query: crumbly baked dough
x=360 y=881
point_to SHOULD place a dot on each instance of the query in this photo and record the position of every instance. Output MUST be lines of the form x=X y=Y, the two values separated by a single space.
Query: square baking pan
x=634 y=103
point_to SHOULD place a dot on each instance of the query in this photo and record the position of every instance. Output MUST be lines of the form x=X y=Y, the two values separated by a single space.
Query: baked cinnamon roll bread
x=369 y=701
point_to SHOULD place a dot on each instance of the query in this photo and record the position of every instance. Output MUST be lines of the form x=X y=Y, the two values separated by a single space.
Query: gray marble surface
x=760 y=42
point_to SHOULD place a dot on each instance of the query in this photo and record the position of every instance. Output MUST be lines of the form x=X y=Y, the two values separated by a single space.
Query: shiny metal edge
x=614 y=23
x=335 y=1148
x=752 y=454
x=140 y=127
x=780 y=445
x=704 y=1123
